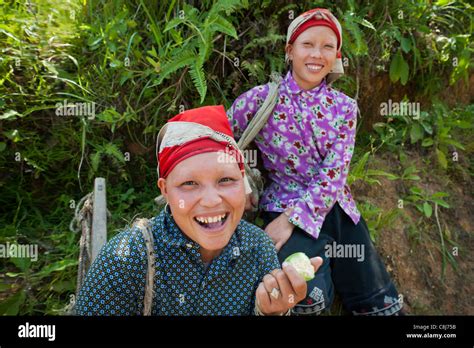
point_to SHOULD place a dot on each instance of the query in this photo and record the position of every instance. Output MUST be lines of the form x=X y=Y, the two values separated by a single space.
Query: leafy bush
x=136 y=63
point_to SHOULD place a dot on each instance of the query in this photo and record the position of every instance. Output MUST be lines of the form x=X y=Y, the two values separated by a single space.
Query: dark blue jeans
x=351 y=267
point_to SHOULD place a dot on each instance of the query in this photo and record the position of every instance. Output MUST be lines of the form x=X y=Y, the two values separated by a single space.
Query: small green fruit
x=302 y=264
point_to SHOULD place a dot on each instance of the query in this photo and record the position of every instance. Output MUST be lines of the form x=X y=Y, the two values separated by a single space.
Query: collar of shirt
x=293 y=87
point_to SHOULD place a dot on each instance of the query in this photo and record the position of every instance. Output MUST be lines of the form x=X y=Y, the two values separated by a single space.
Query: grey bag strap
x=145 y=228
x=261 y=116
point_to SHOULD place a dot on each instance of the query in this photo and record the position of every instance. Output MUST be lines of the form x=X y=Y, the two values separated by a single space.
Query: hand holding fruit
x=283 y=288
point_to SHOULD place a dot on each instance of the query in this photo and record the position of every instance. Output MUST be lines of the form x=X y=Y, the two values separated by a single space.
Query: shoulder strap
x=144 y=226
x=261 y=116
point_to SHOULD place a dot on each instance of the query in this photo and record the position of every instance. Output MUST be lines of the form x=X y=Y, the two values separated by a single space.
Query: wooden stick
x=99 y=218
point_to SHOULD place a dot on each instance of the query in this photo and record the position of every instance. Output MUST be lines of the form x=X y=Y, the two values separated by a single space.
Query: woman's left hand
x=280 y=230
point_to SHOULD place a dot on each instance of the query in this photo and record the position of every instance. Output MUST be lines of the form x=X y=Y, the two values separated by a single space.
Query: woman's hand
x=280 y=230
x=282 y=289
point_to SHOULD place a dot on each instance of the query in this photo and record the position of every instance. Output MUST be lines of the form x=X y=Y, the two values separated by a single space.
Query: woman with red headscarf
x=306 y=146
x=207 y=261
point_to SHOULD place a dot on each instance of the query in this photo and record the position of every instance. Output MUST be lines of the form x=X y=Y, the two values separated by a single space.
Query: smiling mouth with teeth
x=212 y=221
x=314 y=67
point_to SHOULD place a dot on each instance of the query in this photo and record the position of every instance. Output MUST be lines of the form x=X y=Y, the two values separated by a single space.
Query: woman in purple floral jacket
x=306 y=147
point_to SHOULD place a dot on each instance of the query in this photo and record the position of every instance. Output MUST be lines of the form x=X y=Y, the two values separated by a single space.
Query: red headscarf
x=327 y=21
x=193 y=132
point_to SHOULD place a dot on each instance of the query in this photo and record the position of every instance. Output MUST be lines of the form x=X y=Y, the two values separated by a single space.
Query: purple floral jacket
x=307 y=146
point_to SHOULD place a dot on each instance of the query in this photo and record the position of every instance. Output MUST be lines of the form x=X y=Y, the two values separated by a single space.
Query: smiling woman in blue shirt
x=208 y=261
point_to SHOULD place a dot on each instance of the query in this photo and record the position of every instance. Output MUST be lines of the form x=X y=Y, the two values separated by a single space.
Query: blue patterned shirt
x=115 y=284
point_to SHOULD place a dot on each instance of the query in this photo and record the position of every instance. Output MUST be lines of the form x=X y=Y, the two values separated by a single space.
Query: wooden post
x=99 y=218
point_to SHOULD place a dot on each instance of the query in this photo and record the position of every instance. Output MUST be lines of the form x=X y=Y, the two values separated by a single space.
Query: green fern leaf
x=268 y=40
x=356 y=33
x=199 y=79
x=225 y=5
x=205 y=46
x=95 y=160
x=184 y=58
x=223 y=26
x=173 y=23
x=112 y=150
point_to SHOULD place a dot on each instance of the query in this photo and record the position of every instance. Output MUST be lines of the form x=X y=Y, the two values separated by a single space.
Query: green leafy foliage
x=431 y=130
x=424 y=201
x=377 y=219
x=195 y=51
x=399 y=69
x=140 y=62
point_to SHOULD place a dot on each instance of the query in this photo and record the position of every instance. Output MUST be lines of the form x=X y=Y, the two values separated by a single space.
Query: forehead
x=319 y=32
x=205 y=165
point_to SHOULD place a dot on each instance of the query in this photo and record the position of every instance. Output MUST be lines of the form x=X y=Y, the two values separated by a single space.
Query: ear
x=289 y=50
x=162 y=185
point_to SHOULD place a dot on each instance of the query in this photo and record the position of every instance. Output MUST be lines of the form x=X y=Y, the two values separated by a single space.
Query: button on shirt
x=306 y=146
x=183 y=285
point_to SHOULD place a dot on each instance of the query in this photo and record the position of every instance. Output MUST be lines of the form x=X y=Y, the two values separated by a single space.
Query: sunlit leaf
x=427 y=209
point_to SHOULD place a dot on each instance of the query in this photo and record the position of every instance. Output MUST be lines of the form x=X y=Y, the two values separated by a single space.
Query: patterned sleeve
x=244 y=108
x=267 y=256
x=115 y=283
x=331 y=177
